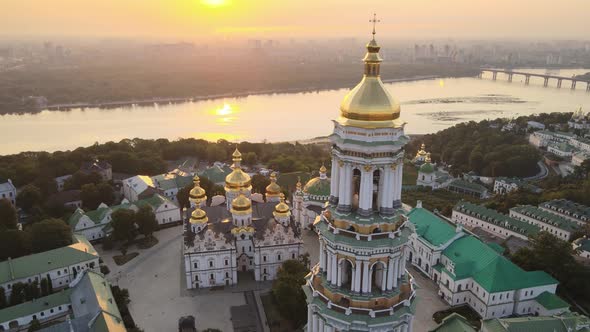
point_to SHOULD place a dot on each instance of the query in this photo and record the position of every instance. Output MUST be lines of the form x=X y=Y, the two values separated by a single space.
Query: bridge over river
x=527 y=77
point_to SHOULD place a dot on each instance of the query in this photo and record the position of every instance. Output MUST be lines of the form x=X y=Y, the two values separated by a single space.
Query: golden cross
x=374 y=21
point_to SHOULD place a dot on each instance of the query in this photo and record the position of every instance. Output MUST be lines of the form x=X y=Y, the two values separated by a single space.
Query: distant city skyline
x=195 y=20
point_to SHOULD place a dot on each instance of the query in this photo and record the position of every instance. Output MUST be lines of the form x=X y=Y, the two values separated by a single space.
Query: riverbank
x=142 y=84
x=155 y=101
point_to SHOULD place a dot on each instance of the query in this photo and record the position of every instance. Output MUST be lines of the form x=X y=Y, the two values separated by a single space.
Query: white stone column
x=334 y=269
x=322 y=259
x=329 y=328
x=328 y=265
x=321 y=324
x=315 y=323
x=383 y=189
x=309 y=319
x=340 y=271
x=342 y=185
x=390 y=272
x=365 y=287
x=357 y=275
x=399 y=174
x=353 y=278
x=384 y=279
x=366 y=192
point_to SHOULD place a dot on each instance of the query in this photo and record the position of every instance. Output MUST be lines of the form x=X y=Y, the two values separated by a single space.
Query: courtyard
x=155 y=281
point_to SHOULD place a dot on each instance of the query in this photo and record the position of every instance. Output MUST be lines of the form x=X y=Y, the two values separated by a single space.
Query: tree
x=17 y=295
x=288 y=293
x=35 y=325
x=8 y=216
x=106 y=194
x=44 y=287
x=123 y=225
x=146 y=221
x=14 y=243
x=556 y=257
x=28 y=197
x=50 y=234
x=32 y=291
x=183 y=196
x=259 y=183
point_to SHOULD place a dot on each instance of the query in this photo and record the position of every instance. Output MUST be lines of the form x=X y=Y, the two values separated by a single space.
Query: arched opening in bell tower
x=376 y=188
x=356 y=187
x=378 y=276
x=346 y=270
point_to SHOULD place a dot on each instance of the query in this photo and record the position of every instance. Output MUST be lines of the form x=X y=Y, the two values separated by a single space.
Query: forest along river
x=427 y=106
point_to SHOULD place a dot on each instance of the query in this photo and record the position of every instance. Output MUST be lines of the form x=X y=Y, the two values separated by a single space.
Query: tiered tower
x=360 y=283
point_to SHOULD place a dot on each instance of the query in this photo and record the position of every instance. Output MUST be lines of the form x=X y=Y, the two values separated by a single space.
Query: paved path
x=428 y=302
x=155 y=281
x=543 y=172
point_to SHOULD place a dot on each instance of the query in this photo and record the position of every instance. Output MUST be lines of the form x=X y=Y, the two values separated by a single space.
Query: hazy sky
x=206 y=19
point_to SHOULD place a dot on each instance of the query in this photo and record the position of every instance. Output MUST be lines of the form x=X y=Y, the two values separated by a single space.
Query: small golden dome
x=282 y=209
x=427 y=159
x=323 y=169
x=198 y=217
x=298 y=185
x=273 y=189
x=237 y=179
x=237 y=154
x=241 y=205
x=197 y=194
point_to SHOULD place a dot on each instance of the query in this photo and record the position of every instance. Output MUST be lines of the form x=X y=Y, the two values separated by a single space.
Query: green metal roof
x=551 y=301
x=35 y=306
x=496 y=218
x=154 y=202
x=216 y=174
x=318 y=187
x=568 y=206
x=166 y=181
x=473 y=258
x=430 y=227
x=466 y=185
x=454 y=323
x=27 y=266
x=546 y=217
x=427 y=168
x=563 y=323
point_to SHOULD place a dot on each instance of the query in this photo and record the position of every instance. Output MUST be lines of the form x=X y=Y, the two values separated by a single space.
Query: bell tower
x=360 y=282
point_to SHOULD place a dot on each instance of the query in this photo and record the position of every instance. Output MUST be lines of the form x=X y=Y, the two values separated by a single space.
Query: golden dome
x=241 y=205
x=237 y=179
x=198 y=217
x=282 y=209
x=197 y=194
x=323 y=169
x=273 y=189
x=369 y=104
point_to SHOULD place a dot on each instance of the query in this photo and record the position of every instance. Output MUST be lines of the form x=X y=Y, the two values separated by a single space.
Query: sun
x=215 y=3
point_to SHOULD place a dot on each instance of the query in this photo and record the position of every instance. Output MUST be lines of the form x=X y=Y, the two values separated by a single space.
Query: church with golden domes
x=360 y=282
x=239 y=238
x=309 y=200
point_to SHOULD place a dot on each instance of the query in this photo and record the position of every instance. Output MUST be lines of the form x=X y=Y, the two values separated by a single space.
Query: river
x=427 y=106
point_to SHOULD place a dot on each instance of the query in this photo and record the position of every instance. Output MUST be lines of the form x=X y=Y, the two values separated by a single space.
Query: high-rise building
x=360 y=282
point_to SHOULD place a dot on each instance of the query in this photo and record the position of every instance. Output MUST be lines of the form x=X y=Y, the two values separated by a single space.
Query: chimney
x=418 y=204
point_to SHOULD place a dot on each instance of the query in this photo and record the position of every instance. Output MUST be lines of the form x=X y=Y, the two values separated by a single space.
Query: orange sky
x=194 y=19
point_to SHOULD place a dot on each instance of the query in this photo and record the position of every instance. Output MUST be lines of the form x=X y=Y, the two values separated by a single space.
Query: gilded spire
x=375 y=21
x=236 y=157
x=273 y=189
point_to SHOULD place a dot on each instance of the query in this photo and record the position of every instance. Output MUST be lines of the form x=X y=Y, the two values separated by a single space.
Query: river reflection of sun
x=225 y=110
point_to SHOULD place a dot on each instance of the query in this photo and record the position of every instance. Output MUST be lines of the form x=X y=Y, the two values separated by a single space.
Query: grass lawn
x=471 y=316
x=274 y=319
x=122 y=259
